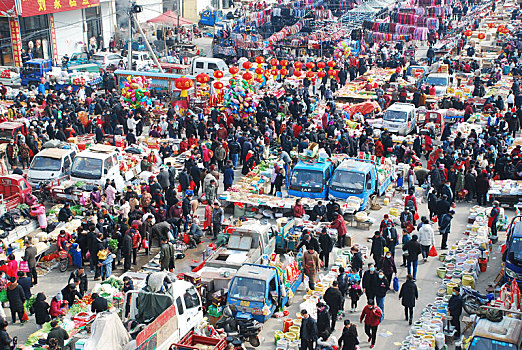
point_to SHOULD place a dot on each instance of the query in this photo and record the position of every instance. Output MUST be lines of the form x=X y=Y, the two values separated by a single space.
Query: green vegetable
x=79 y=184
x=113 y=243
x=30 y=302
x=22 y=206
x=114 y=282
x=77 y=209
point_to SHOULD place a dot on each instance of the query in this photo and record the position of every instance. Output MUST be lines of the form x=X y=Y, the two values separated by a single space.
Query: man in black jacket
x=333 y=299
x=370 y=281
x=126 y=251
x=82 y=276
x=455 y=310
x=412 y=249
x=70 y=293
x=309 y=242
x=348 y=339
x=326 y=244
x=357 y=259
x=99 y=304
x=318 y=212
x=377 y=250
x=65 y=213
x=308 y=332
x=57 y=333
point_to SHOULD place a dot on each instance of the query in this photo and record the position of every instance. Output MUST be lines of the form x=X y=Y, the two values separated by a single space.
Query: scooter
x=240 y=328
x=472 y=300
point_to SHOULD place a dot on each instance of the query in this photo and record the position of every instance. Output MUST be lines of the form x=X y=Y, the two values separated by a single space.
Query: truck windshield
x=248 y=289
x=46 y=164
x=348 y=182
x=515 y=250
x=437 y=81
x=307 y=178
x=28 y=69
x=87 y=168
x=479 y=343
x=395 y=116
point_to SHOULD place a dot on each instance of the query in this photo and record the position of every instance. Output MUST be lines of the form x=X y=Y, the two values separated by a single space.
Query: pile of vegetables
x=113 y=243
x=77 y=209
x=114 y=282
x=79 y=184
x=22 y=206
x=30 y=302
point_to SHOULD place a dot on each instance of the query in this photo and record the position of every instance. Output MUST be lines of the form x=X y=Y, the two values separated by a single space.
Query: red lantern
x=310 y=65
x=284 y=63
x=274 y=62
x=202 y=78
x=183 y=84
x=481 y=36
x=218 y=74
x=259 y=71
x=321 y=74
x=491 y=25
x=284 y=72
x=298 y=65
x=331 y=64
x=274 y=72
x=297 y=73
x=321 y=65
x=310 y=74
x=218 y=86
x=505 y=30
x=332 y=73
x=259 y=80
x=247 y=65
x=233 y=70
x=247 y=76
x=260 y=60
x=468 y=33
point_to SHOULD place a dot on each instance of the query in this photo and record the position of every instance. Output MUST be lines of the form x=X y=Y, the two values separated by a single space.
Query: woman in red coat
x=298 y=209
x=340 y=225
x=379 y=149
x=371 y=315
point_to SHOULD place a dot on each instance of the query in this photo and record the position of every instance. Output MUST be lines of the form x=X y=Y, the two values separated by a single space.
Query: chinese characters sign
x=53 y=36
x=40 y=7
x=16 y=39
x=7 y=8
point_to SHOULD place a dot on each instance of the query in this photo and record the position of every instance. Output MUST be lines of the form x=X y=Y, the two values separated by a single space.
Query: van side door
x=192 y=312
x=66 y=168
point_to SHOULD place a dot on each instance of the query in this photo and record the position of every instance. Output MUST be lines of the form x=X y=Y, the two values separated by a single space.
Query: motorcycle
x=240 y=328
x=472 y=300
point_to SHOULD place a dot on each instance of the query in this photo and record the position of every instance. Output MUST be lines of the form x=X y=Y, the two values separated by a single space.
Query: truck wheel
x=33 y=86
x=254 y=341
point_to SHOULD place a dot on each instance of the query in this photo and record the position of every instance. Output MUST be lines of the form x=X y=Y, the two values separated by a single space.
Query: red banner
x=40 y=7
x=53 y=37
x=7 y=8
x=16 y=39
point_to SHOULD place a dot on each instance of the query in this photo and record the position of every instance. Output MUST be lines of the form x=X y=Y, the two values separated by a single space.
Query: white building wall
x=70 y=37
x=108 y=14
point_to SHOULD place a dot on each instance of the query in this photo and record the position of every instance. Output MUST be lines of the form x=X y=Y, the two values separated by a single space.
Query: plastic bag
x=145 y=244
x=433 y=251
x=416 y=216
x=395 y=284
x=24 y=266
x=435 y=219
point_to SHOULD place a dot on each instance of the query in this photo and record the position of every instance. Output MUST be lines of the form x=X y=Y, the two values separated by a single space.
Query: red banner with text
x=53 y=37
x=16 y=40
x=40 y=7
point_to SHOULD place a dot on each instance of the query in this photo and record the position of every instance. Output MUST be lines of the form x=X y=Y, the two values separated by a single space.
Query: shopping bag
x=395 y=284
x=25 y=317
x=416 y=216
x=410 y=228
x=145 y=244
x=433 y=251
x=434 y=219
x=3 y=296
x=24 y=266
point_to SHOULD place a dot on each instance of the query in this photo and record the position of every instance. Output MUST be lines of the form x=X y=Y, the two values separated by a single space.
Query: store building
x=53 y=28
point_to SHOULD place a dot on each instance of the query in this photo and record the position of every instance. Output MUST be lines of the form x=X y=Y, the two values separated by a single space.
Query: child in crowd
x=355 y=293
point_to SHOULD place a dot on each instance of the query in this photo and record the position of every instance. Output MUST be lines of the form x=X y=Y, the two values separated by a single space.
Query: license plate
x=244 y=303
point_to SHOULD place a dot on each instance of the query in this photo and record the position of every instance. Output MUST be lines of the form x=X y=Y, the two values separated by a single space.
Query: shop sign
x=16 y=41
x=53 y=37
x=41 y=7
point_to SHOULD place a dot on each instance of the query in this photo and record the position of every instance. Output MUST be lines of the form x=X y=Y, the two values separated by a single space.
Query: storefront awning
x=170 y=18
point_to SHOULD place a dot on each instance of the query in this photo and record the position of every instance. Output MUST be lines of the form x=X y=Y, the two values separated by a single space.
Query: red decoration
x=260 y=60
x=321 y=74
x=481 y=36
x=284 y=63
x=218 y=74
x=259 y=80
x=331 y=64
x=468 y=33
x=183 y=84
x=247 y=76
x=310 y=74
x=218 y=85
x=321 y=65
x=247 y=65
x=332 y=73
x=297 y=73
x=274 y=62
x=284 y=72
x=259 y=71
x=274 y=72
x=202 y=78
x=491 y=25
x=310 y=65
x=298 y=65
x=233 y=70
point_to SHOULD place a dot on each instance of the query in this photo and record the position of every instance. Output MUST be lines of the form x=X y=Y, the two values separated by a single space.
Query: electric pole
x=129 y=53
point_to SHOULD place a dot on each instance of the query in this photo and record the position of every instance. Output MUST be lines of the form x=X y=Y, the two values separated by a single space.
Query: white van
x=97 y=164
x=441 y=82
x=141 y=60
x=50 y=164
x=399 y=118
x=208 y=65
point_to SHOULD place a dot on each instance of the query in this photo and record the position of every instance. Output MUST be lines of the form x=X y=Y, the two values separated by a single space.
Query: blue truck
x=259 y=291
x=360 y=178
x=34 y=70
x=512 y=256
x=310 y=179
x=210 y=18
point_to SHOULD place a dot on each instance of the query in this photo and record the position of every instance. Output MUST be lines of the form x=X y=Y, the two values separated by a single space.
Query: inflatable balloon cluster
x=136 y=92
x=342 y=50
x=239 y=99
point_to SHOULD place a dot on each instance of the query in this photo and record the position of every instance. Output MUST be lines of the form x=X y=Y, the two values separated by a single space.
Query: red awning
x=170 y=18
